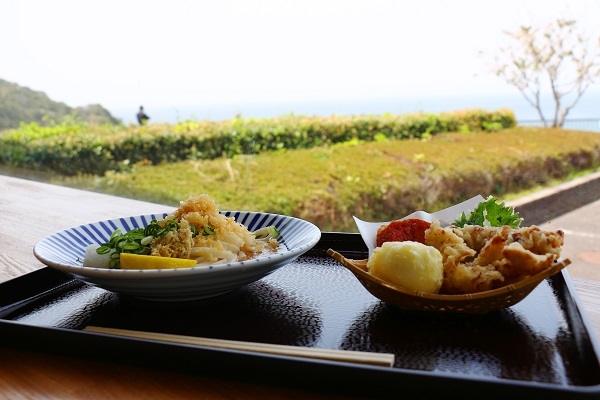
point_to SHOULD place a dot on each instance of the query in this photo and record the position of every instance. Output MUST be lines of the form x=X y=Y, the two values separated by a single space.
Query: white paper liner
x=368 y=230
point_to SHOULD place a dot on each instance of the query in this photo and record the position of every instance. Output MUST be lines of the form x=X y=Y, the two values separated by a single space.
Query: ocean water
x=585 y=115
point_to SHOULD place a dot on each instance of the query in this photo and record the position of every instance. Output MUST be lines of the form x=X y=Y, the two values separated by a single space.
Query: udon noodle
x=208 y=236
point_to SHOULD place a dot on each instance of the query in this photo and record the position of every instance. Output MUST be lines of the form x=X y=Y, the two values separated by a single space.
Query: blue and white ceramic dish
x=65 y=250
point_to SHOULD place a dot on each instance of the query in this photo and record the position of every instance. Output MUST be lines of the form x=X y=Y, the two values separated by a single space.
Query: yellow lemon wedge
x=138 y=261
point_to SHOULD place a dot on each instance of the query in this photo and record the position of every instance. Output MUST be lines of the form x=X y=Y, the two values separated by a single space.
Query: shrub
x=78 y=148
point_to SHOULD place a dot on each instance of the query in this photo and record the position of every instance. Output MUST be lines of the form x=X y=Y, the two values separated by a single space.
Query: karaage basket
x=475 y=303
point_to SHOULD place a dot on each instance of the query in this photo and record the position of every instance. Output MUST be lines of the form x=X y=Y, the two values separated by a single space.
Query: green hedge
x=73 y=148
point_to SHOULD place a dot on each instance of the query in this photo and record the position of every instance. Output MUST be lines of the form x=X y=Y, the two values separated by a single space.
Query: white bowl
x=65 y=250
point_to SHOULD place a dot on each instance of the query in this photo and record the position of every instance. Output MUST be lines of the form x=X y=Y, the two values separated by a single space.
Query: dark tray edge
x=341 y=377
x=577 y=309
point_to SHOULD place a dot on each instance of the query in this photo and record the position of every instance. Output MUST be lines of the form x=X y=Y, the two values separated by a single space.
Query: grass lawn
x=371 y=180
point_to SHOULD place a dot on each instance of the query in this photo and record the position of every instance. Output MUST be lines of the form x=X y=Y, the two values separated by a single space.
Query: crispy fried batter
x=453 y=248
x=175 y=243
x=219 y=238
x=468 y=278
x=480 y=258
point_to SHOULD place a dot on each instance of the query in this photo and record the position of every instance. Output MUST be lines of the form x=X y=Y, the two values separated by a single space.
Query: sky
x=182 y=54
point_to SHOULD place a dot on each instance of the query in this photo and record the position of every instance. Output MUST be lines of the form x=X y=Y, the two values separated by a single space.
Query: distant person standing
x=141 y=116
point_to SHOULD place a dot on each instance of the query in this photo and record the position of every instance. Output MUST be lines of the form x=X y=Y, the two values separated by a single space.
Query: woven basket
x=473 y=303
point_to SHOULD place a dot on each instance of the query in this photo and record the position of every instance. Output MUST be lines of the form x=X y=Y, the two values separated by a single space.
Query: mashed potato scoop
x=411 y=265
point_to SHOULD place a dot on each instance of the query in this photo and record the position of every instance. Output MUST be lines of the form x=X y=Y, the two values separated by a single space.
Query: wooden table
x=33 y=210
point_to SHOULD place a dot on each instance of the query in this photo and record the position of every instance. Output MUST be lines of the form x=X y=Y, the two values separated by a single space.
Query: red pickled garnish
x=412 y=229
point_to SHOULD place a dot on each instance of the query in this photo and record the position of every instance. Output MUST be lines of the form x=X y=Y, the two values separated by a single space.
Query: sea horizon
x=588 y=108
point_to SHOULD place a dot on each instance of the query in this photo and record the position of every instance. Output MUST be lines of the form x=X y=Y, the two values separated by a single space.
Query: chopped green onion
x=147 y=240
x=266 y=233
x=136 y=241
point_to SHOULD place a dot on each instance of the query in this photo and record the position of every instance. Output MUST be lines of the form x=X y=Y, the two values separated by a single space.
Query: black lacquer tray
x=541 y=347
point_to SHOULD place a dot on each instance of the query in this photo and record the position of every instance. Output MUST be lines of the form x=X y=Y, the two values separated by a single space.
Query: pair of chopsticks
x=380 y=359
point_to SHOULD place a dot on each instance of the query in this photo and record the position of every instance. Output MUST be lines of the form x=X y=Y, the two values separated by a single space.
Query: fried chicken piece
x=452 y=246
x=461 y=273
x=491 y=251
x=524 y=263
x=475 y=236
x=539 y=242
x=532 y=238
x=464 y=278
x=480 y=258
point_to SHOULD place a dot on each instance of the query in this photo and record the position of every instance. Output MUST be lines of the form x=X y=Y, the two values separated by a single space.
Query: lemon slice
x=137 y=261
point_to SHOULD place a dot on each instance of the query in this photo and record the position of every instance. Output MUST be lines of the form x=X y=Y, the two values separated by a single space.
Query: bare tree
x=557 y=58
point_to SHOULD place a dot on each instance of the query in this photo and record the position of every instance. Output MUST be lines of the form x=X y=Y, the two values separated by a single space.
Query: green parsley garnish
x=490 y=213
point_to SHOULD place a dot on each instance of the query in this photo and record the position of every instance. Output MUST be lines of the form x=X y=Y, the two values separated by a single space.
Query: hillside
x=21 y=104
